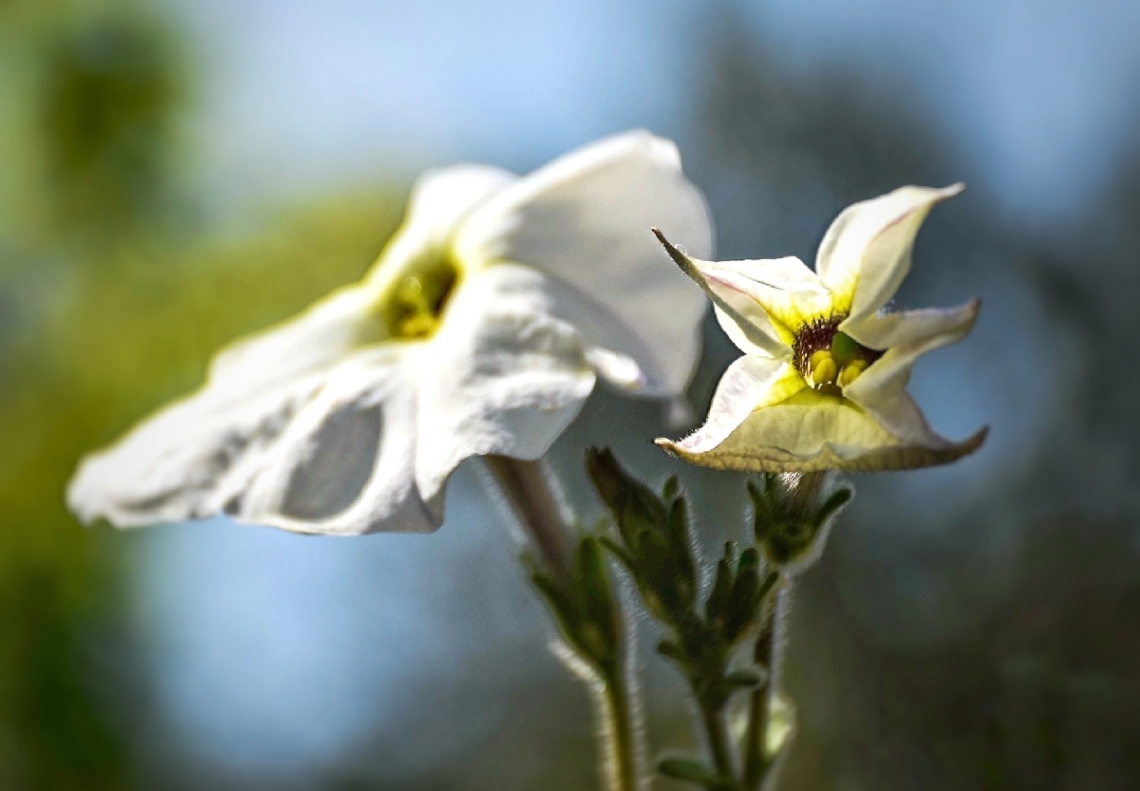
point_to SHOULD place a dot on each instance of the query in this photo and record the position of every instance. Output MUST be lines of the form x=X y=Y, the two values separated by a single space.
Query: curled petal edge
x=882 y=459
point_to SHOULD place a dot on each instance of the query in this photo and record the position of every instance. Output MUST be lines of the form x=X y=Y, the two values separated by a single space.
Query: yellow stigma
x=851 y=371
x=823 y=368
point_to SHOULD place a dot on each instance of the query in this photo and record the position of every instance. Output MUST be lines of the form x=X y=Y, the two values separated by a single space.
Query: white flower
x=823 y=381
x=480 y=330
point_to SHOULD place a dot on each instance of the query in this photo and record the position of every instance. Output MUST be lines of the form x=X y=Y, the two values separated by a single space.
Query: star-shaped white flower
x=822 y=384
x=481 y=329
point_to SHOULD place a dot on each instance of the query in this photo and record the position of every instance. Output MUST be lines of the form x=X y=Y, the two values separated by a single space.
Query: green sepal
x=601 y=622
x=690 y=770
x=716 y=606
x=834 y=504
x=566 y=614
x=670 y=650
x=749 y=679
x=620 y=553
x=679 y=537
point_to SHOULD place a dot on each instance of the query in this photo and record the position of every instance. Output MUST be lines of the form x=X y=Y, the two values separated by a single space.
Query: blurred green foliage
x=112 y=303
x=135 y=329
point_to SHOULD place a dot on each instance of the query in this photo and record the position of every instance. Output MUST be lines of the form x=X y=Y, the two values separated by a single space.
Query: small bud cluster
x=705 y=634
x=654 y=544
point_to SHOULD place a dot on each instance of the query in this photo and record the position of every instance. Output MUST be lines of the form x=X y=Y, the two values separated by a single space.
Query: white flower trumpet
x=481 y=329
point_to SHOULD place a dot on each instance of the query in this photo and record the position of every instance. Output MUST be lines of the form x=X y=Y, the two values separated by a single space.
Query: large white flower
x=822 y=384
x=480 y=330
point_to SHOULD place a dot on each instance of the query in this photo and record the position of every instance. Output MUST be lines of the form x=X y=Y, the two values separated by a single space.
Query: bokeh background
x=174 y=174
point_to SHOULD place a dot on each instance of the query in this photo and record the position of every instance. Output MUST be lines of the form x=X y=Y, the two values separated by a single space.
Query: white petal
x=751 y=382
x=295 y=428
x=741 y=316
x=319 y=337
x=503 y=376
x=176 y=464
x=882 y=331
x=807 y=431
x=900 y=415
x=921 y=332
x=811 y=431
x=343 y=467
x=439 y=201
x=584 y=220
x=866 y=253
x=789 y=293
x=325 y=453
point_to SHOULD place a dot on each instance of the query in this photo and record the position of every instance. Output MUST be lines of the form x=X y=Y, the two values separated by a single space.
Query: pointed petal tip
x=973 y=308
x=679 y=258
x=975 y=441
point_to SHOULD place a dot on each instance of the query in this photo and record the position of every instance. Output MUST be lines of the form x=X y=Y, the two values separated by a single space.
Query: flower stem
x=767 y=654
x=620 y=731
x=716 y=734
x=533 y=497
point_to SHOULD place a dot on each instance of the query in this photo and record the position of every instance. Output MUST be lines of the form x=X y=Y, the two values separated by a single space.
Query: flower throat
x=418 y=300
x=829 y=359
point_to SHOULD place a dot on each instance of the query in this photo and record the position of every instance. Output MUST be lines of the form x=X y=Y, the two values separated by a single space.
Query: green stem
x=717 y=736
x=621 y=750
x=766 y=655
x=534 y=499
x=532 y=495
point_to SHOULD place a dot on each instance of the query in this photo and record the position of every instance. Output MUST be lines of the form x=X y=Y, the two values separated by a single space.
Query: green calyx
x=791 y=513
x=585 y=606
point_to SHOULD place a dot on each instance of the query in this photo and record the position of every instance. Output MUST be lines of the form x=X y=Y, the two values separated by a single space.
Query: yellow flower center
x=416 y=302
x=828 y=359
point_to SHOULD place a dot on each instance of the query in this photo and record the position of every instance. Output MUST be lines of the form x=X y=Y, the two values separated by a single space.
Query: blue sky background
x=258 y=636
x=1037 y=93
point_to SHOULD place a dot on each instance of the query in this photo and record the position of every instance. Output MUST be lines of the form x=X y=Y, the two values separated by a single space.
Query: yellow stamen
x=823 y=368
x=851 y=371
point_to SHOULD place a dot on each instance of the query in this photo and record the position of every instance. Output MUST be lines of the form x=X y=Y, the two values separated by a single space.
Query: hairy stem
x=535 y=502
x=620 y=731
x=767 y=654
x=532 y=495
x=716 y=735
